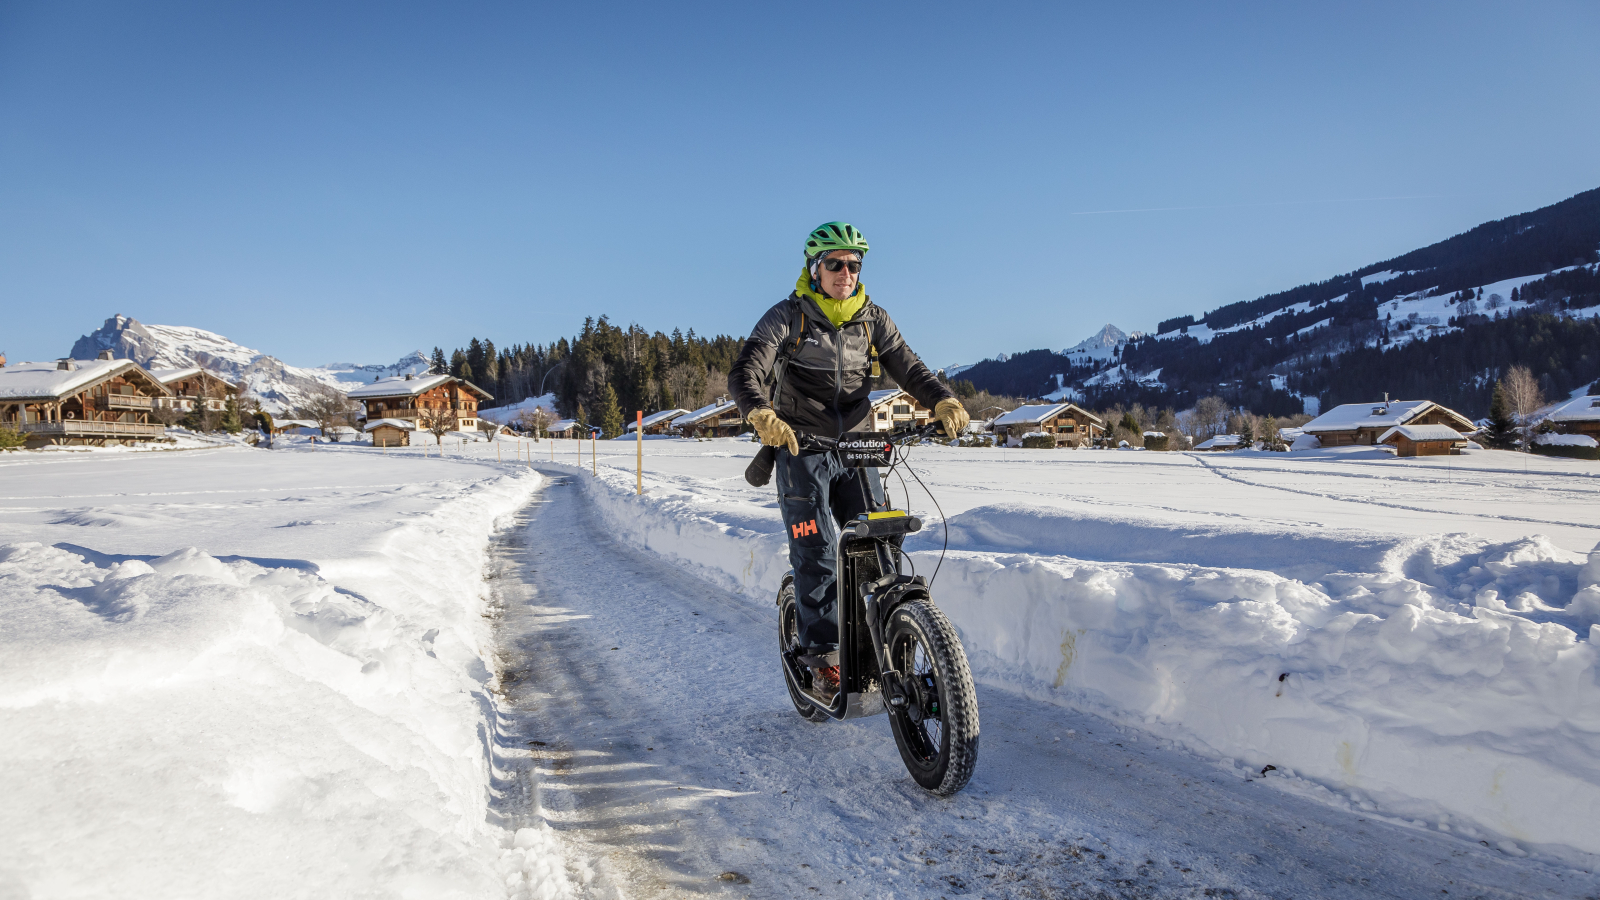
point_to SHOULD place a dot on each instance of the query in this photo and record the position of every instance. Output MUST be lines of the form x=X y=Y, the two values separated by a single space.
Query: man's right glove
x=953 y=415
x=774 y=431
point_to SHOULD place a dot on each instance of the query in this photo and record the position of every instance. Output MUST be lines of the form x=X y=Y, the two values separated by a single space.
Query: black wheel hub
x=922 y=698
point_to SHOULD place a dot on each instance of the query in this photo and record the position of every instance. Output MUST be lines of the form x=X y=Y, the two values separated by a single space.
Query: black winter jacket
x=824 y=388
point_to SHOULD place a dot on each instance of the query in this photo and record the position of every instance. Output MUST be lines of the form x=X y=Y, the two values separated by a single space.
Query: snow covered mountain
x=1100 y=346
x=1442 y=321
x=279 y=386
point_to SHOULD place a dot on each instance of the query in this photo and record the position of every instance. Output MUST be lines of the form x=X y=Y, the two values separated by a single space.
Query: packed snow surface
x=1414 y=637
x=247 y=673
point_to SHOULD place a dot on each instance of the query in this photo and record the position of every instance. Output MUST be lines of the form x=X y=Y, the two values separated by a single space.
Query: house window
x=902 y=409
x=883 y=415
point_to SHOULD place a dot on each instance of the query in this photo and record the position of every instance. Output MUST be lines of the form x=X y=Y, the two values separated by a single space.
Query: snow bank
x=1443 y=677
x=189 y=725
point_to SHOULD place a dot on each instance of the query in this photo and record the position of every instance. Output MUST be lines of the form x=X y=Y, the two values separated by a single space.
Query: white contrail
x=1102 y=212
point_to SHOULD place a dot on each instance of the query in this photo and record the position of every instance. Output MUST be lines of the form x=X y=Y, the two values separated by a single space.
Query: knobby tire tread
x=960 y=716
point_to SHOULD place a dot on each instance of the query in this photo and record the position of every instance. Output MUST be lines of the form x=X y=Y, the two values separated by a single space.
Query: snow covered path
x=667 y=754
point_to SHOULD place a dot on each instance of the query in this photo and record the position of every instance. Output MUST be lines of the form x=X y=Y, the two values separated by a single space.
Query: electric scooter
x=897 y=652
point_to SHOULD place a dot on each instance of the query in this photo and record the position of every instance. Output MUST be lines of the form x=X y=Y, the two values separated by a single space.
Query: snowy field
x=233 y=672
x=1410 y=638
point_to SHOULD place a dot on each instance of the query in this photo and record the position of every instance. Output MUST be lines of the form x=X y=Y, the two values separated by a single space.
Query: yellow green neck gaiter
x=837 y=311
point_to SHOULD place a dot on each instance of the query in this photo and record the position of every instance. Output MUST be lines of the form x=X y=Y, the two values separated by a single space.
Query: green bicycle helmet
x=835 y=236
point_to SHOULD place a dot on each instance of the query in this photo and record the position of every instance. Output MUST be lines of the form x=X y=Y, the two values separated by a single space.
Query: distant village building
x=1221 y=443
x=658 y=422
x=1072 y=425
x=390 y=432
x=568 y=428
x=895 y=410
x=1354 y=424
x=295 y=426
x=719 y=419
x=1580 y=415
x=76 y=401
x=194 y=385
x=1424 y=440
x=417 y=398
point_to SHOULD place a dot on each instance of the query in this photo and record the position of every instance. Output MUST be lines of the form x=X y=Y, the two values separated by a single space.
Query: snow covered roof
x=410 y=386
x=1351 y=416
x=665 y=415
x=1221 y=440
x=563 y=425
x=1035 y=413
x=401 y=424
x=48 y=381
x=706 y=412
x=877 y=397
x=293 y=423
x=1578 y=409
x=1423 y=433
x=1155 y=434
x=1565 y=440
x=1031 y=414
x=167 y=376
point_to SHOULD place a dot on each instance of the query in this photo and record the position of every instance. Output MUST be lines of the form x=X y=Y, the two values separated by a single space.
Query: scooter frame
x=868 y=685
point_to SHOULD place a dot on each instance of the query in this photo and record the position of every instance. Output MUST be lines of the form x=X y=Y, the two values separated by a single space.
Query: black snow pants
x=817 y=493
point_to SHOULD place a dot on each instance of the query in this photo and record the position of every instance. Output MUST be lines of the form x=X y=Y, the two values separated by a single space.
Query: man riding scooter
x=806 y=368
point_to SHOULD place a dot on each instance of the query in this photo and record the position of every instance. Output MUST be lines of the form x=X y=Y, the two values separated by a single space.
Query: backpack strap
x=787 y=350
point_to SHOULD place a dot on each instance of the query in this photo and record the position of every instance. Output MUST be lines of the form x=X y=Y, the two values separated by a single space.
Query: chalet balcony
x=123 y=402
x=75 y=428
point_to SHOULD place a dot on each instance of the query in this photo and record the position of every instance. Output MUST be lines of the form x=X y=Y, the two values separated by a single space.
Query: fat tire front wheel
x=788 y=639
x=937 y=729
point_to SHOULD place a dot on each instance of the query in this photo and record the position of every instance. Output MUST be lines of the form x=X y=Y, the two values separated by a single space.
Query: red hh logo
x=805 y=528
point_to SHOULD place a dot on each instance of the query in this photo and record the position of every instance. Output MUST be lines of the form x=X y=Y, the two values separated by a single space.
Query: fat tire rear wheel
x=937 y=731
x=788 y=637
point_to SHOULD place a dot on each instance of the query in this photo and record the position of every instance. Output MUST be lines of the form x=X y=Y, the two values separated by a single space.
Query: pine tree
x=437 y=365
x=230 y=416
x=1502 y=431
x=610 y=413
x=195 y=418
x=580 y=417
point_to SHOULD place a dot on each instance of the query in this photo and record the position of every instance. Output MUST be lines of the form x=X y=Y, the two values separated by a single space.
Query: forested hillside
x=601 y=371
x=1468 y=308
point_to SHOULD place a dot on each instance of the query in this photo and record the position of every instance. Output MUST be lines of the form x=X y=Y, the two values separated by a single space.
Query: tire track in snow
x=1221 y=473
x=670 y=754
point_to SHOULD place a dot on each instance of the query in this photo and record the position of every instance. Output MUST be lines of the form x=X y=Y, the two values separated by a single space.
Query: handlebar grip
x=759 y=472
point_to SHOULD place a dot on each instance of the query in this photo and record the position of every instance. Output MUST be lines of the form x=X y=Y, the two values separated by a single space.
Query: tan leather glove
x=774 y=431
x=953 y=415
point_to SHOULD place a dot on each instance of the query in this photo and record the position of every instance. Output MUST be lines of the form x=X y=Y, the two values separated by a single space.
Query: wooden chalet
x=196 y=385
x=390 y=432
x=719 y=419
x=75 y=401
x=571 y=429
x=1424 y=440
x=417 y=398
x=1072 y=425
x=1355 y=424
x=894 y=410
x=1580 y=415
x=658 y=422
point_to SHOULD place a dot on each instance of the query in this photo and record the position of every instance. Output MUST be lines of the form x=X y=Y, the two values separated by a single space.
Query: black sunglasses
x=834 y=265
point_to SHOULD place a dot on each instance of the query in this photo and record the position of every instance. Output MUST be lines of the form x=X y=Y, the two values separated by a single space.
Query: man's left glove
x=953 y=415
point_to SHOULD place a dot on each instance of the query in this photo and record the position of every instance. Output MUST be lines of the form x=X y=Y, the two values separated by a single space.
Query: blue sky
x=345 y=182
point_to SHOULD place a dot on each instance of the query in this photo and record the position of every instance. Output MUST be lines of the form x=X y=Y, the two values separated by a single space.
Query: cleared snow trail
x=648 y=706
